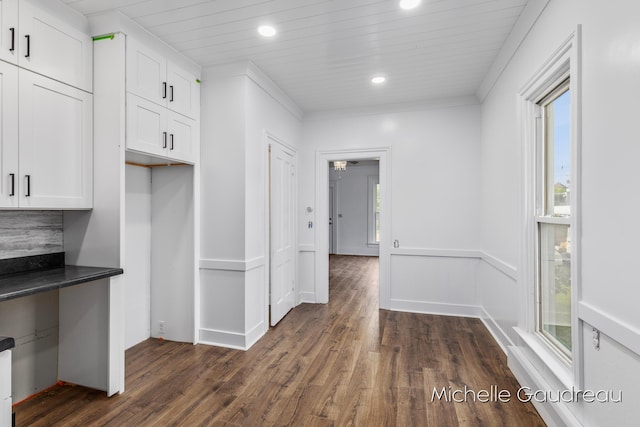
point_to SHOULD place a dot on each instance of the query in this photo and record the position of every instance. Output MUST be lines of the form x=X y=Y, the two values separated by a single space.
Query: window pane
x=558 y=156
x=555 y=283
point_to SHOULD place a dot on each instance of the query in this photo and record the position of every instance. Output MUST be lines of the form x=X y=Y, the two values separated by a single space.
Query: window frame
x=372 y=182
x=563 y=64
x=543 y=216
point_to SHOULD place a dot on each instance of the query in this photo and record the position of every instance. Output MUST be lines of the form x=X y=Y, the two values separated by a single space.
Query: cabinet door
x=146 y=73
x=9 y=31
x=146 y=126
x=54 y=48
x=183 y=91
x=56 y=147
x=8 y=135
x=182 y=137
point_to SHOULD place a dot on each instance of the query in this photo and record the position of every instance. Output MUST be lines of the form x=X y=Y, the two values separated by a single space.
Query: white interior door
x=282 y=200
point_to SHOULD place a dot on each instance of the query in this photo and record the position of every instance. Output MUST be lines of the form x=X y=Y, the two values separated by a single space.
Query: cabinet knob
x=27 y=193
x=164 y=140
x=28 y=54
x=164 y=90
x=171 y=99
x=13 y=39
x=171 y=147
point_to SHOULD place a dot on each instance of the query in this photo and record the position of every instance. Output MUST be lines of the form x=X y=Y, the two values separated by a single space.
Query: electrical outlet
x=596 y=339
x=161 y=327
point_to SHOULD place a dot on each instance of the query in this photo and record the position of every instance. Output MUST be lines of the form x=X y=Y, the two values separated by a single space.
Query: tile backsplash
x=24 y=233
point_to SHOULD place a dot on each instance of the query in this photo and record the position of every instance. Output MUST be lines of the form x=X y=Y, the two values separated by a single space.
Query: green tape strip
x=106 y=36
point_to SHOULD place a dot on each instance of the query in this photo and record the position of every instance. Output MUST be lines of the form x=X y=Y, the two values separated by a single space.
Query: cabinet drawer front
x=54 y=48
x=56 y=145
x=146 y=73
x=146 y=126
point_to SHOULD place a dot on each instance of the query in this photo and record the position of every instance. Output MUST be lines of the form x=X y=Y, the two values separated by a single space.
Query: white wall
x=434 y=199
x=137 y=254
x=352 y=219
x=239 y=107
x=608 y=287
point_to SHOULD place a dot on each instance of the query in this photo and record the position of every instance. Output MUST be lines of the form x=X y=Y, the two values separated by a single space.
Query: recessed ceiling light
x=267 y=31
x=409 y=4
x=377 y=80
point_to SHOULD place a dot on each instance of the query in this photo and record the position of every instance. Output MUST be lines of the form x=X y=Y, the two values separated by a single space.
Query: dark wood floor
x=345 y=363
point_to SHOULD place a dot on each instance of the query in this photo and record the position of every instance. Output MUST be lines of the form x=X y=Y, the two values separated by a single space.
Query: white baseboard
x=496 y=331
x=307 y=297
x=235 y=340
x=442 y=309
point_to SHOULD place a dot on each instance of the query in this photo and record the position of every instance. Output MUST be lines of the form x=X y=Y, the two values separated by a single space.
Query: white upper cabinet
x=157 y=79
x=183 y=91
x=9 y=30
x=183 y=137
x=9 y=173
x=34 y=38
x=146 y=126
x=153 y=129
x=55 y=150
x=146 y=73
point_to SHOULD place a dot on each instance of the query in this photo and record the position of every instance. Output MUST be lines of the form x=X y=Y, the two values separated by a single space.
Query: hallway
x=344 y=363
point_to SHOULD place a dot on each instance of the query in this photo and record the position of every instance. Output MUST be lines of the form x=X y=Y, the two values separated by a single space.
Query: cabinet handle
x=28 y=54
x=171 y=146
x=171 y=87
x=28 y=192
x=13 y=39
x=13 y=184
x=164 y=140
x=164 y=90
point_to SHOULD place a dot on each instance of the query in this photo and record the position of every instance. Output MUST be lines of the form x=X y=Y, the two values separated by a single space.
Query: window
x=553 y=219
x=374 y=209
x=549 y=106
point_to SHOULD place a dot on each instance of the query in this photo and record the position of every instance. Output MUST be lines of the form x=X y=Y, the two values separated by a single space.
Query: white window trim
x=372 y=180
x=565 y=62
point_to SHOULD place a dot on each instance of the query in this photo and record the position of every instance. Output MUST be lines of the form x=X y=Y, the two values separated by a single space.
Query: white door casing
x=283 y=242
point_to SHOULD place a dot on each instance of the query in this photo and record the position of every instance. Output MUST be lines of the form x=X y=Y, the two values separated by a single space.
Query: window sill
x=373 y=245
x=548 y=359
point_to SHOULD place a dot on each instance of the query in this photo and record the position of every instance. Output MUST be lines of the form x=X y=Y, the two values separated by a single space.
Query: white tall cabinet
x=146 y=202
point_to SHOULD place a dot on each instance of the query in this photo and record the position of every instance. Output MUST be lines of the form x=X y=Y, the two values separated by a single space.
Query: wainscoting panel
x=306 y=276
x=25 y=233
x=434 y=284
x=499 y=298
x=232 y=302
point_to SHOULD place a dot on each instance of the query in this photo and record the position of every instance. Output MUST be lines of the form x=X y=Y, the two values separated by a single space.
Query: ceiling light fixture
x=267 y=31
x=409 y=4
x=378 y=80
x=340 y=165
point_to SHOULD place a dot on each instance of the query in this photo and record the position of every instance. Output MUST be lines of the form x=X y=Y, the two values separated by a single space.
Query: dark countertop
x=6 y=343
x=31 y=275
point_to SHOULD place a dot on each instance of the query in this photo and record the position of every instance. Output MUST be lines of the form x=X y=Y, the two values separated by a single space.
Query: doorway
x=323 y=160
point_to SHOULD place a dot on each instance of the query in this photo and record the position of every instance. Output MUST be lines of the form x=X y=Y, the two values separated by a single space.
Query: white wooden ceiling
x=326 y=51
